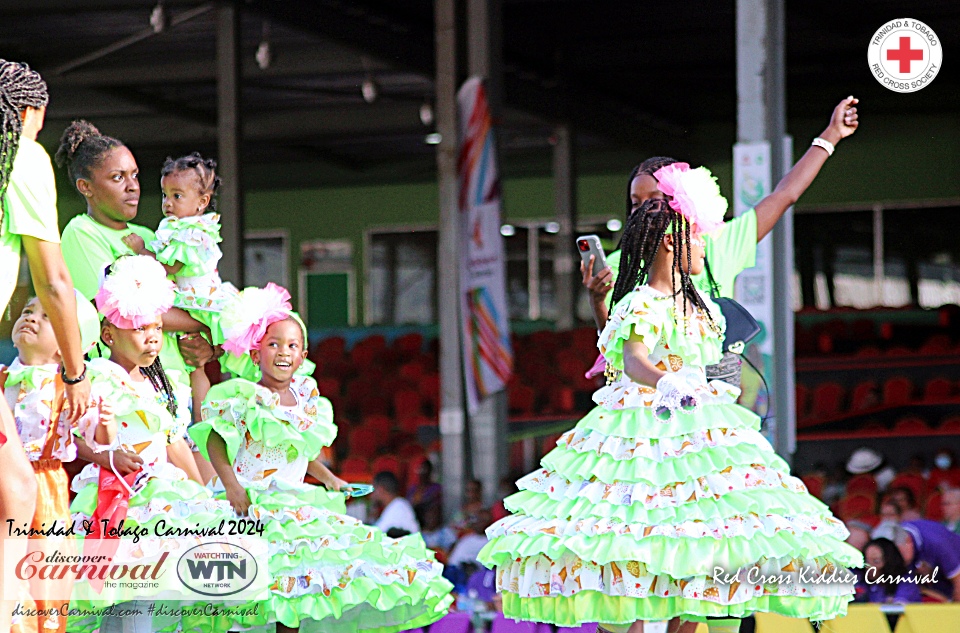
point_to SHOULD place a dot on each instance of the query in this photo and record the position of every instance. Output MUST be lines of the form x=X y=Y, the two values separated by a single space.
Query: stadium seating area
x=879 y=373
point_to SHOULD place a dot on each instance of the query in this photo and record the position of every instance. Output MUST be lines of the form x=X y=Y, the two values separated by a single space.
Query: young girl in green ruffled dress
x=330 y=572
x=187 y=244
x=665 y=502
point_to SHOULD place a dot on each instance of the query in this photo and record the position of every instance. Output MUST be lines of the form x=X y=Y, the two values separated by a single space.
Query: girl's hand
x=135 y=243
x=598 y=285
x=844 y=121
x=239 y=499
x=124 y=462
x=107 y=419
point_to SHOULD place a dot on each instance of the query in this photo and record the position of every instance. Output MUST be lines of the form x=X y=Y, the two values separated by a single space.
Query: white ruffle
x=539 y=577
x=660 y=449
x=714 y=485
x=324 y=579
x=626 y=394
x=748 y=526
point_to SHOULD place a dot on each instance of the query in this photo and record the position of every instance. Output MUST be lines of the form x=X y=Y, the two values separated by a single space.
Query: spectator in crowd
x=470 y=544
x=930 y=546
x=868 y=461
x=950 y=502
x=917 y=466
x=472 y=504
x=945 y=473
x=890 y=518
x=859 y=534
x=397 y=511
x=835 y=485
x=436 y=535
x=878 y=583
x=907 y=502
x=482 y=588
x=425 y=491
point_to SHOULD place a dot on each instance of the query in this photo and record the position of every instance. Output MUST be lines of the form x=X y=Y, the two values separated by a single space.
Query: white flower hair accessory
x=245 y=319
x=694 y=194
x=134 y=292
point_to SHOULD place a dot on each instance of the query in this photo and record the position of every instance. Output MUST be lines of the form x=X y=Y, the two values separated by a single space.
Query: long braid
x=20 y=88
x=642 y=237
x=158 y=378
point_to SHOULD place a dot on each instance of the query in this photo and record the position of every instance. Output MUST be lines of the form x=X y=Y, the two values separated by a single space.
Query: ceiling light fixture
x=264 y=55
x=369 y=90
x=426 y=114
x=508 y=230
x=434 y=138
x=613 y=224
x=158 y=18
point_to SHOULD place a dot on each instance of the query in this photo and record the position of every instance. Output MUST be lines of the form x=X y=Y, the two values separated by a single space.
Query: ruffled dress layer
x=640 y=516
x=330 y=572
x=194 y=242
x=161 y=491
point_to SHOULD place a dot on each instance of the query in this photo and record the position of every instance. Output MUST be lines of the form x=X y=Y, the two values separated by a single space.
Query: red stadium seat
x=389 y=463
x=335 y=346
x=803 y=401
x=814 y=484
x=951 y=424
x=409 y=345
x=522 y=399
x=363 y=443
x=864 y=396
x=868 y=351
x=855 y=506
x=933 y=509
x=827 y=400
x=897 y=391
x=407 y=403
x=328 y=387
x=355 y=470
x=938 y=389
x=913 y=481
x=380 y=425
x=911 y=424
x=862 y=484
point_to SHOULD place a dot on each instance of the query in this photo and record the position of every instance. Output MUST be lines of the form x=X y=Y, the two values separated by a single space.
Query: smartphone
x=590 y=245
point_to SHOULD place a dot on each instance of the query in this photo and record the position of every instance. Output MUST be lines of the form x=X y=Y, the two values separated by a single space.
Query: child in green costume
x=665 y=502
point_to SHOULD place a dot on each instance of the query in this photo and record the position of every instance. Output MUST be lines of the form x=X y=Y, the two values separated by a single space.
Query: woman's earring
x=88 y=194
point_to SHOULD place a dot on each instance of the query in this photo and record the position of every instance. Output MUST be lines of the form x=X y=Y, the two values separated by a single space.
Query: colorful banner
x=488 y=358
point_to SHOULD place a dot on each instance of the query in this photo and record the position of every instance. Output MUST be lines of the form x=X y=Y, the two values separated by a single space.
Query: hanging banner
x=488 y=358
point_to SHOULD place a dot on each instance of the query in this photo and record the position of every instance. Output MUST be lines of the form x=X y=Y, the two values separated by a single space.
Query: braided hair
x=161 y=383
x=205 y=168
x=20 y=88
x=642 y=237
x=83 y=148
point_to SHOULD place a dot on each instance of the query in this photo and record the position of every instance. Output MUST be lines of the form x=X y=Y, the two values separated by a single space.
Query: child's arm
x=236 y=494
x=324 y=476
x=106 y=433
x=135 y=243
x=199 y=385
x=637 y=365
x=124 y=462
x=180 y=456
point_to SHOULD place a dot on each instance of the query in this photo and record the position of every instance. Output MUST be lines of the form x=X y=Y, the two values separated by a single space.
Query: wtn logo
x=224 y=569
x=219 y=569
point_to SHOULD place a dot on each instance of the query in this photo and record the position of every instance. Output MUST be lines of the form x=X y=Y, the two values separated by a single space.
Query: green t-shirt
x=730 y=251
x=29 y=208
x=88 y=248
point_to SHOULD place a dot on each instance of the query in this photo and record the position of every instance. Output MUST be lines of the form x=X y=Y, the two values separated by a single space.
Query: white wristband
x=825 y=144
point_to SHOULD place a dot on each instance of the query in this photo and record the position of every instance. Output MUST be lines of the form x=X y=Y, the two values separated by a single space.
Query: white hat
x=863 y=460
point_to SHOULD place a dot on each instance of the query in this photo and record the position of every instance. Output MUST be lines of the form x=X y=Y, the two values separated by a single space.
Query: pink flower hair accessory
x=694 y=194
x=135 y=292
x=245 y=319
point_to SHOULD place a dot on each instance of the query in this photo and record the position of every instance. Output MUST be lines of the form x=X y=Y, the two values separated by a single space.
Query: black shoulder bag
x=741 y=326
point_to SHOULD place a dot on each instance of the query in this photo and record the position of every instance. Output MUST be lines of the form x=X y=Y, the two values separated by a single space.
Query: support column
x=448 y=296
x=565 y=206
x=761 y=116
x=878 y=255
x=488 y=426
x=229 y=142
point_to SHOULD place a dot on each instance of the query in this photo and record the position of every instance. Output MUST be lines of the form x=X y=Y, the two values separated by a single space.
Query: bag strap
x=766 y=388
x=714 y=287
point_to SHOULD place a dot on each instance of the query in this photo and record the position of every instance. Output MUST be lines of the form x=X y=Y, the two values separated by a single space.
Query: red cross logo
x=905 y=54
